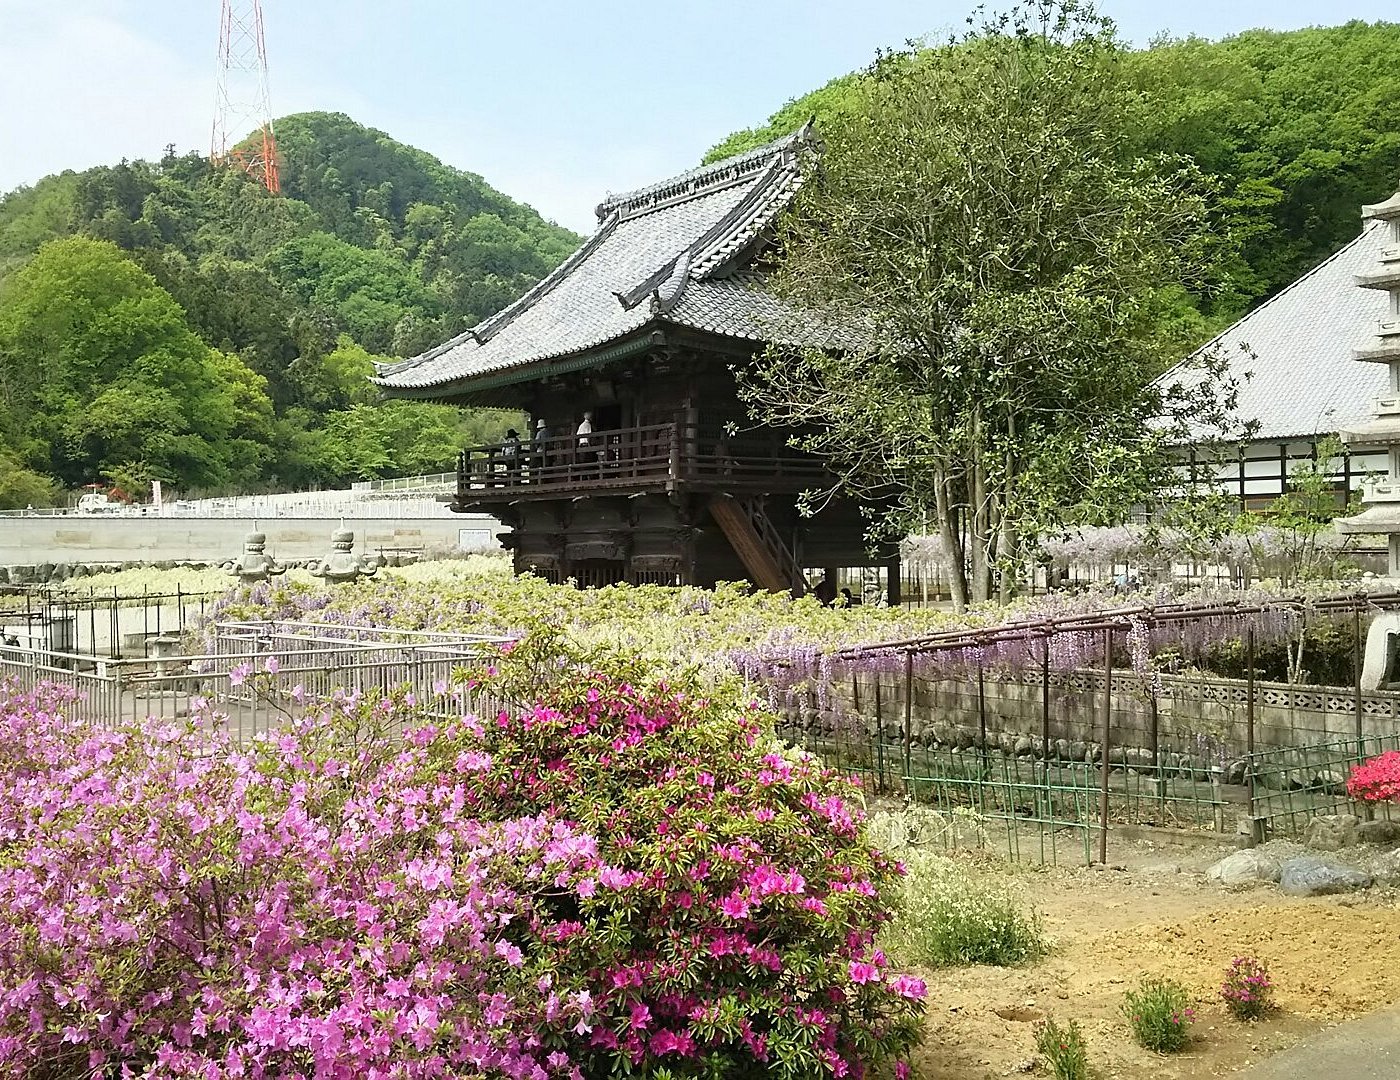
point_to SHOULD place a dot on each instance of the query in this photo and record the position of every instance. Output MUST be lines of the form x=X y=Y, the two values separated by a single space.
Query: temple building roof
x=676 y=253
x=1300 y=347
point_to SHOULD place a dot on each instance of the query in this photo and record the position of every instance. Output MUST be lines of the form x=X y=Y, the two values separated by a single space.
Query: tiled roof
x=662 y=254
x=1305 y=380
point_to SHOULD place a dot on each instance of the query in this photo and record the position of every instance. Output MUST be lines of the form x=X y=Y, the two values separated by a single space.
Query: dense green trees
x=1299 y=128
x=100 y=372
x=252 y=309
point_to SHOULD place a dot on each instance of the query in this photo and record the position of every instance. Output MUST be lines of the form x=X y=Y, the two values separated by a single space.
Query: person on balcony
x=510 y=454
x=585 y=449
x=539 y=448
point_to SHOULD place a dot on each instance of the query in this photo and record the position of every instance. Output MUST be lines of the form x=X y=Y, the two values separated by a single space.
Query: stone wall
x=1201 y=718
x=34 y=542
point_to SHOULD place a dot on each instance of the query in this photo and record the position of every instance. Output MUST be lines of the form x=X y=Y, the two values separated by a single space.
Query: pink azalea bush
x=1377 y=780
x=619 y=880
x=735 y=936
x=173 y=908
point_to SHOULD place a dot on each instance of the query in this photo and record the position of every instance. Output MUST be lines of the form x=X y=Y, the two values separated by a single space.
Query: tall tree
x=1299 y=127
x=99 y=371
x=1013 y=268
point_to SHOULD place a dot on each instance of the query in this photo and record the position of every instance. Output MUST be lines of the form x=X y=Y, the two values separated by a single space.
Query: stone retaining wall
x=47 y=573
x=1196 y=719
x=96 y=539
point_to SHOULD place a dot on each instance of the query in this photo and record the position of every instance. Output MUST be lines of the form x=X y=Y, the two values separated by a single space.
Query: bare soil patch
x=1332 y=959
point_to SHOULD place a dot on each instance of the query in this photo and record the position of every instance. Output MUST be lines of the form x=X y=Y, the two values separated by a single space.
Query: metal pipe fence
x=1042 y=808
x=259 y=676
x=96 y=623
x=1291 y=786
x=1063 y=786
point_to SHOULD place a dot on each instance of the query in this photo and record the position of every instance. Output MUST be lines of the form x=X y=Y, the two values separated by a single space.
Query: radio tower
x=242 y=104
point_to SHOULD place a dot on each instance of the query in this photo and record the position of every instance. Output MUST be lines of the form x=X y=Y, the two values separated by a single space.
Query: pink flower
x=909 y=987
x=511 y=954
x=862 y=972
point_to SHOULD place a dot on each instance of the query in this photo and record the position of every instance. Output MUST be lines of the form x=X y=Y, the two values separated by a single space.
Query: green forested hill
x=1300 y=128
x=162 y=319
x=113 y=278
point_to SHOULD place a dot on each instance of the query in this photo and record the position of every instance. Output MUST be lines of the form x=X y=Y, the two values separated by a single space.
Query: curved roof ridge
x=646 y=255
x=485 y=330
x=702 y=180
x=701 y=248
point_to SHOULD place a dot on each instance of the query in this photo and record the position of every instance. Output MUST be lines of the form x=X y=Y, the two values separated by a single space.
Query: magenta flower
x=910 y=987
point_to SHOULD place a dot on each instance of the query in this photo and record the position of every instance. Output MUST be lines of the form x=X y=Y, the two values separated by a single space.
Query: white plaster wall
x=76 y=539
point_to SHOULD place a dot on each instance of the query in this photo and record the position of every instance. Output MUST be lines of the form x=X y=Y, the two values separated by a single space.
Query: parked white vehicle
x=97 y=502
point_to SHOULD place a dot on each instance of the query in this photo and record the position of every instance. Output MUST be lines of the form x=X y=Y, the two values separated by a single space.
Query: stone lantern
x=254 y=565
x=342 y=564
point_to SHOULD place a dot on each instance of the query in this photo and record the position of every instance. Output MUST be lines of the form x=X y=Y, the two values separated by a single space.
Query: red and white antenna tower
x=242 y=104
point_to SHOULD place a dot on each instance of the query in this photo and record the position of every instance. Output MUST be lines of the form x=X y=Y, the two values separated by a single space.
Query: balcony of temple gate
x=649 y=458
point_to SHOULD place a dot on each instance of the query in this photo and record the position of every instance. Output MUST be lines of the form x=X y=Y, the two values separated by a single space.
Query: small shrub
x=1377 y=780
x=1247 y=990
x=946 y=918
x=1063 y=1048
x=1160 y=1015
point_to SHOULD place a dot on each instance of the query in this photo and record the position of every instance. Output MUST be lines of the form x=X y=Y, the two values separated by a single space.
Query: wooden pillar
x=893 y=569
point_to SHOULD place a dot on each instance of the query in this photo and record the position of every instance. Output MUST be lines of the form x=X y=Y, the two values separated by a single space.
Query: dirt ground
x=1331 y=959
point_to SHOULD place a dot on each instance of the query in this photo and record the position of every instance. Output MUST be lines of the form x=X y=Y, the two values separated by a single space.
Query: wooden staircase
x=755 y=539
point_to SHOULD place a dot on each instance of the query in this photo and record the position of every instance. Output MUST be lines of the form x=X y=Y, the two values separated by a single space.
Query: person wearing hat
x=510 y=451
x=539 y=447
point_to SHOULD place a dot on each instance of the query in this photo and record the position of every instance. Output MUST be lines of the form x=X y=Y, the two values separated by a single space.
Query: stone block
x=1384 y=627
x=1387 y=868
x=1330 y=781
x=1331 y=832
x=1378 y=832
x=1313 y=875
x=1246 y=868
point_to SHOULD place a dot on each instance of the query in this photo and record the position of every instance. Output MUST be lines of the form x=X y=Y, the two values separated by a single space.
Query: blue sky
x=553 y=103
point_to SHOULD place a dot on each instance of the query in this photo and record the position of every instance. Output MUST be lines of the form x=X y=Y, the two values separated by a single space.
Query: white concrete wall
x=76 y=539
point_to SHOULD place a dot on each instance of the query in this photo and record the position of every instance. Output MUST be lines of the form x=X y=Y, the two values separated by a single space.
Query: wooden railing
x=652 y=456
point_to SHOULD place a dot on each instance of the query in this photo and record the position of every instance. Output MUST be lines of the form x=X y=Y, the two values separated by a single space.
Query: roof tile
x=678 y=234
x=1305 y=380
